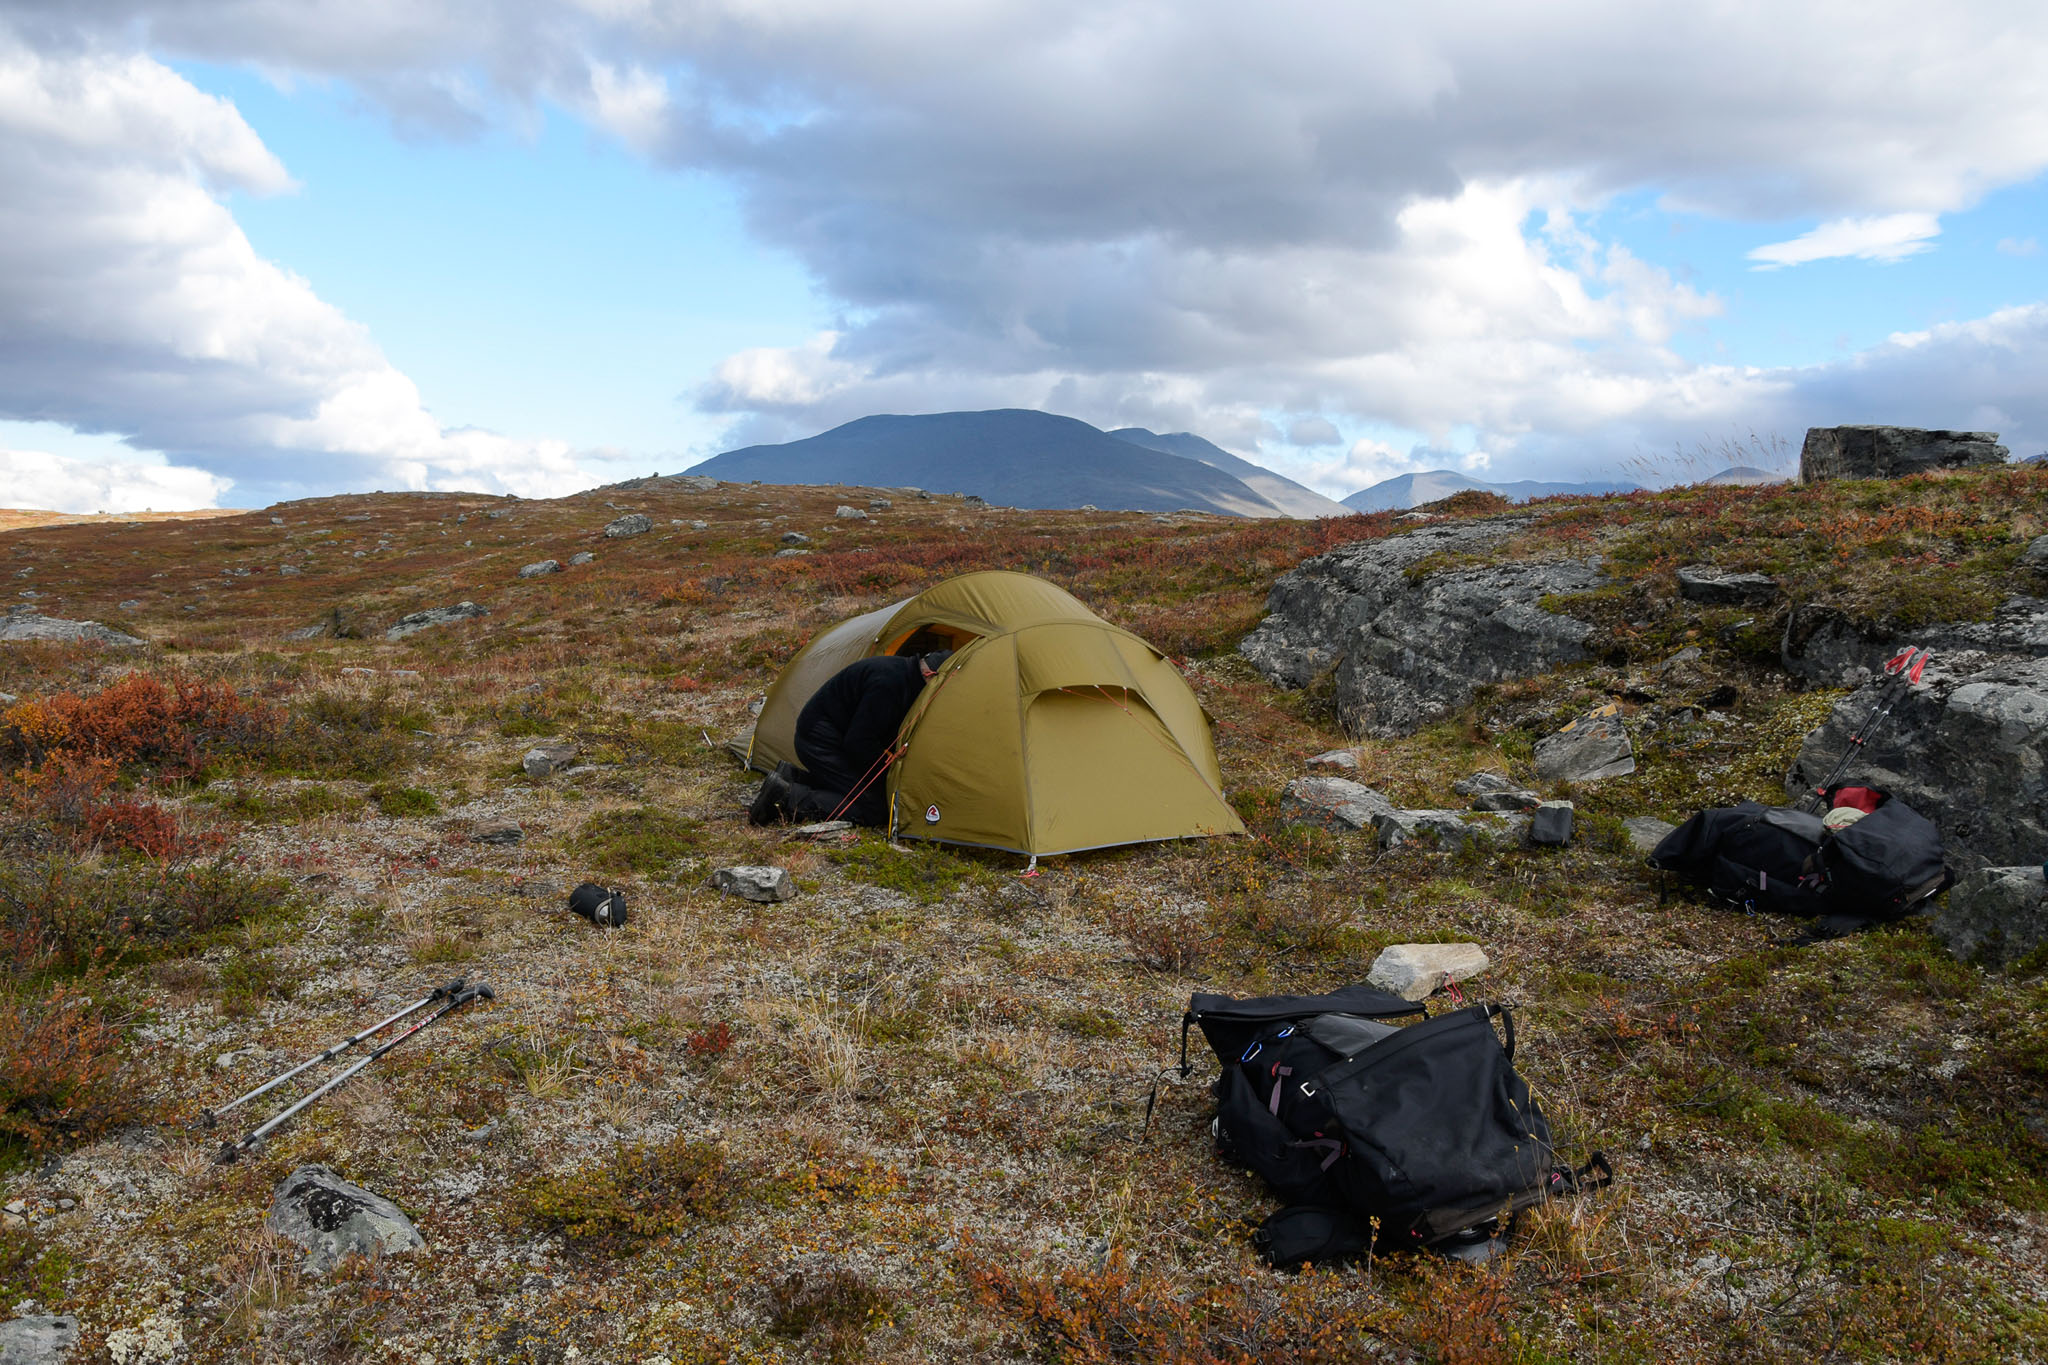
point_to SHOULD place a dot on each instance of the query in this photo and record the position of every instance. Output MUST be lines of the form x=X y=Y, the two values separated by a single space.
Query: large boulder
x=1995 y=915
x=1409 y=651
x=1889 y=452
x=1967 y=748
x=632 y=524
x=1414 y=971
x=331 y=1219
x=1715 y=587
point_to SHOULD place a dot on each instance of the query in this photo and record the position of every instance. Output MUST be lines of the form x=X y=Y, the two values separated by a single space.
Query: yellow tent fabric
x=1049 y=730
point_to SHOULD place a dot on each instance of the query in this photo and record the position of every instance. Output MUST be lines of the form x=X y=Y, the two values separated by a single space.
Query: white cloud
x=1892 y=237
x=34 y=478
x=132 y=303
x=2018 y=246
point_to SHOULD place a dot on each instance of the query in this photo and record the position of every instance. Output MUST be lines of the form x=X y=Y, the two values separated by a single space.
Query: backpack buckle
x=1307 y=1089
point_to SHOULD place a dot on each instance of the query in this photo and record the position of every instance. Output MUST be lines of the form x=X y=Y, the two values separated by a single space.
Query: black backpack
x=1784 y=859
x=1426 y=1128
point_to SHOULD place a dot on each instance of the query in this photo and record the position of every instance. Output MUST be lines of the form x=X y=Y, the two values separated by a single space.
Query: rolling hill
x=1412 y=490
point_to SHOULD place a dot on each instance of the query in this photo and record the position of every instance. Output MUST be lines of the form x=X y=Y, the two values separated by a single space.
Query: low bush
x=139 y=724
x=642 y=840
x=66 y=913
x=635 y=1195
x=61 y=1065
x=330 y=735
x=404 y=801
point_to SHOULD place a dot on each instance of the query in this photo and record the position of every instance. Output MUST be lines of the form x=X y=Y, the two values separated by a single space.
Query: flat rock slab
x=506 y=833
x=2035 y=556
x=1448 y=829
x=795 y=538
x=1484 y=782
x=632 y=524
x=1714 y=587
x=1415 y=971
x=331 y=1219
x=1551 y=825
x=1645 y=832
x=42 y=1339
x=1995 y=916
x=823 y=831
x=1335 y=761
x=434 y=616
x=28 y=626
x=536 y=570
x=1333 y=803
x=845 y=513
x=1515 y=799
x=766 y=885
x=581 y=557
x=1587 y=750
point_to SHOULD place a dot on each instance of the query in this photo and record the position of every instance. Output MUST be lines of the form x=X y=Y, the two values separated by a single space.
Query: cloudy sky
x=261 y=249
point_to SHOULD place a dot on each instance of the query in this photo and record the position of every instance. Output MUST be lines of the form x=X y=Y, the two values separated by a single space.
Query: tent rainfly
x=1048 y=731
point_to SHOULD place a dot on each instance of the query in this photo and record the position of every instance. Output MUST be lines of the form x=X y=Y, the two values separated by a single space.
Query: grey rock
x=1714 y=587
x=1995 y=916
x=791 y=554
x=1415 y=971
x=1967 y=748
x=1645 y=832
x=764 y=884
x=42 y=1339
x=2035 y=556
x=1335 y=761
x=1824 y=644
x=1589 y=749
x=1332 y=803
x=795 y=538
x=24 y=624
x=845 y=513
x=822 y=831
x=1448 y=829
x=506 y=832
x=289 y=570
x=1408 y=653
x=1508 y=800
x=580 y=557
x=1484 y=782
x=1890 y=452
x=434 y=616
x=331 y=1219
x=632 y=524
x=879 y=504
x=547 y=759
x=700 y=526
x=1552 y=824
x=130 y=605
x=545 y=566
x=8 y=699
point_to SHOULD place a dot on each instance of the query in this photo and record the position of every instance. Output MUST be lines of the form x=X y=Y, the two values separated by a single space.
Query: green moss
x=634 y=1195
x=642 y=840
x=927 y=873
x=404 y=801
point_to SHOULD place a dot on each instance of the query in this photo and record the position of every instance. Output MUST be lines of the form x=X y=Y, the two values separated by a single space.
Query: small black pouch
x=600 y=905
x=1307 y=1235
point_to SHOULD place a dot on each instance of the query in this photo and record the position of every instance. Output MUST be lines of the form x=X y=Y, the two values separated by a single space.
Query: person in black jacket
x=842 y=734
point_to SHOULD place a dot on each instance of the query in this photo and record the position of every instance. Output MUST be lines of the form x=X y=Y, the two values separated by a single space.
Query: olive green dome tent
x=1048 y=731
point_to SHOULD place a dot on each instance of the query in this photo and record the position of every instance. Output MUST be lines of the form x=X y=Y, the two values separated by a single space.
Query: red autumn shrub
x=61 y=1069
x=140 y=826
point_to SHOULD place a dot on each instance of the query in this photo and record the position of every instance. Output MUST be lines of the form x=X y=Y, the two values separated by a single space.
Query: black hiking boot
x=767 y=807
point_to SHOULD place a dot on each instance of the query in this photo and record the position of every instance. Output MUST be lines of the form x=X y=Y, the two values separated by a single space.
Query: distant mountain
x=1014 y=457
x=1284 y=493
x=1412 y=490
x=1743 y=474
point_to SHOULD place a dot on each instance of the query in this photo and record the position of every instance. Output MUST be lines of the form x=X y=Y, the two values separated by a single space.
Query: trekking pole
x=231 y=1152
x=208 y=1116
x=1902 y=671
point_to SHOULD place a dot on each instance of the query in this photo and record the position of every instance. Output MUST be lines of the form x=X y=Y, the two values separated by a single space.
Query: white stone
x=764 y=884
x=1414 y=971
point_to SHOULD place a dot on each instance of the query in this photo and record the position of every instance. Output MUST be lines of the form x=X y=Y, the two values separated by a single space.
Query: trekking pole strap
x=1180 y=1072
x=1507 y=1020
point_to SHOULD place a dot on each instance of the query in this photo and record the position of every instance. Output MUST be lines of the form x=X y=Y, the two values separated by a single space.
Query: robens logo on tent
x=931 y=815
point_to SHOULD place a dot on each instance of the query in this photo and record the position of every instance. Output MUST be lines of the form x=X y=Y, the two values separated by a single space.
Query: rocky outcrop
x=1408 y=652
x=22 y=623
x=331 y=1219
x=1712 y=587
x=1589 y=749
x=632 y=524
x=1968 y=748
x=434 y=616
x=1332 y=803
x=1829 y=646
x=1889 y=452
x=1996 y=916
x=40 y=1339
